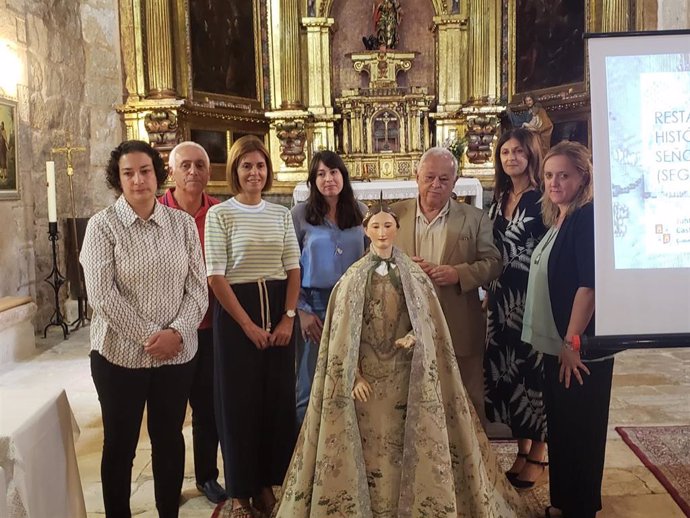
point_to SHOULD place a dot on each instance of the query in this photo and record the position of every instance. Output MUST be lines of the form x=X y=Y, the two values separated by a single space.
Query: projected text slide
x=649 y=143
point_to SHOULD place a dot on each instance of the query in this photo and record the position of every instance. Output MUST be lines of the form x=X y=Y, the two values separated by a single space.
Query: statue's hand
x=406 y=342
x=362 y=390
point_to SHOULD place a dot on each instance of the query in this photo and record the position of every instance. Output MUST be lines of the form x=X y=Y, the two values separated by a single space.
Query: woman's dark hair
x=530 y=144
x=112 y=170
x=347 y=210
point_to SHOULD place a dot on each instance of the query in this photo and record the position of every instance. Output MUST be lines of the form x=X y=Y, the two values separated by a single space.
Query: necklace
x=553 y=232
x=516 y=194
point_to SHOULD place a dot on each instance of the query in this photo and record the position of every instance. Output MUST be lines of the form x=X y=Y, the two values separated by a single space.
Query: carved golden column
x=161 y=83
x=319 y=100
x=484 y=48
x=290 y=75
x=480 y=111
x=615 y=16
x=291 y=131
x=319 y=64
x=132 y=50
x=451 y=69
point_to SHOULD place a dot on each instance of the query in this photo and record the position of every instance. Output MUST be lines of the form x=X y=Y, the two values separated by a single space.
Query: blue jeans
x=308 y=352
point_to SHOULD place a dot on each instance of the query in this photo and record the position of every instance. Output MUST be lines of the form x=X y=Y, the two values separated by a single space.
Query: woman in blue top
x=331 y=238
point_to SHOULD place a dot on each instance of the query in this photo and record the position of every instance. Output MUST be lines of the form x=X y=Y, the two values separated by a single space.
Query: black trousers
x=122 y=393
x=577 y=420
x=255 y=396
x=204 y=430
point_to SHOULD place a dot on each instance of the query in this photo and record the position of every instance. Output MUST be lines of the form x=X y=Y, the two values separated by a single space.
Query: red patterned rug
x=665 y=450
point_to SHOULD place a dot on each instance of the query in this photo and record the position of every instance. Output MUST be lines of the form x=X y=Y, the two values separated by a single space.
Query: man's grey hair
x=439 y=151
x=182 y=145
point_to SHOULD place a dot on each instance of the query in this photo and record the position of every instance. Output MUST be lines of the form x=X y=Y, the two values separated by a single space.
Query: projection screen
x=640 y=98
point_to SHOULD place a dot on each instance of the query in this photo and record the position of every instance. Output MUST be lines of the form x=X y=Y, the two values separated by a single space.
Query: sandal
x=261 y=511
x=242 y=512
x=265 y=511
x=511 y=474
x=529 y=484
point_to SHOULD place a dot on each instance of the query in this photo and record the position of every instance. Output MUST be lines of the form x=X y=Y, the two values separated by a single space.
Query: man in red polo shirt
x=190 y=168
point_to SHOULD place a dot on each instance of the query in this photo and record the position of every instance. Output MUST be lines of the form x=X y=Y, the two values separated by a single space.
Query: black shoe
x=510 y=474
x=213 y=491
x=529 y=484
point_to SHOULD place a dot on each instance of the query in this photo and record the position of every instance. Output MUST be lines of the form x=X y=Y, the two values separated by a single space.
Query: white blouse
x=142 y=277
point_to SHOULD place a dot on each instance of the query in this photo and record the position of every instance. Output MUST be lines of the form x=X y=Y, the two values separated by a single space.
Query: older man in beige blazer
x=453 y=243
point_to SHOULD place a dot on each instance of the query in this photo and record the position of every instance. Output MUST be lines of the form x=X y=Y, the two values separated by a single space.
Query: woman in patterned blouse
x=513 y=369
x=146 y=282
x=252 y=261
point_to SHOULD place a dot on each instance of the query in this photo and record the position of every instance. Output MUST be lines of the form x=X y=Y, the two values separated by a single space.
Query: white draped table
x=399 y=190
x=39 y=476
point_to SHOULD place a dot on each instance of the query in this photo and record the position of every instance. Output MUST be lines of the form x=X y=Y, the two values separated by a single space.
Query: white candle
x=52 y=193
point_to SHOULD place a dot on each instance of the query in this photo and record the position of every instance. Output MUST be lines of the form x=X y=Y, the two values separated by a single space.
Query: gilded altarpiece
x=194 y=70
x=385 y=126
x=392 y=104
x=545 y=56
x=295 y=72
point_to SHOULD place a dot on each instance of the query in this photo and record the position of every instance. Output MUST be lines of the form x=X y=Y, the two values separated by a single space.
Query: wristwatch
x=290 y=313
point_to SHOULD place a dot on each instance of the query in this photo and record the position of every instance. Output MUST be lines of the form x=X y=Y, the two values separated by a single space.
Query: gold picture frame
x=221 y=77
x=217 y=137
x=518 y=18
x=9 y=174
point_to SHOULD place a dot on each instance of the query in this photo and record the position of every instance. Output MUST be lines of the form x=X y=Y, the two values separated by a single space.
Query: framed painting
x=546 y=50
x=571 y=125
x=225 y=48
x=217 y=142
x=9 y=179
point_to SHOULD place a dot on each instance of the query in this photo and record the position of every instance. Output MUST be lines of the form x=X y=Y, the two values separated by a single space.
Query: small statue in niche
x=535 y=119
x=387 y=18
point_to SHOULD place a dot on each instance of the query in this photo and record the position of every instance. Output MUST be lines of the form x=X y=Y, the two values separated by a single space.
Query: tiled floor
x=650 y=388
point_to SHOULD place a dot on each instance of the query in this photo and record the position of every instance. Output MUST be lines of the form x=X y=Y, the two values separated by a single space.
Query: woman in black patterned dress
x=512 y=369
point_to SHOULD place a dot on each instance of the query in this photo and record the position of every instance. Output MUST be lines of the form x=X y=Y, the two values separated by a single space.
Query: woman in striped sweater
x=252 y=262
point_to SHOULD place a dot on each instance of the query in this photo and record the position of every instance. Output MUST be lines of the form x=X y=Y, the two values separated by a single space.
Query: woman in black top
x=512 y=368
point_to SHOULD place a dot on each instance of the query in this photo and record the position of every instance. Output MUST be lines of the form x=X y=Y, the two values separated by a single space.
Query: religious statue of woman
x=390 y=431
x=387 y=18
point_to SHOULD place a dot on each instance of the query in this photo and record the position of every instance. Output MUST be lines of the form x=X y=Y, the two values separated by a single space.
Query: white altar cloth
x=398 y=190
x=39 y=472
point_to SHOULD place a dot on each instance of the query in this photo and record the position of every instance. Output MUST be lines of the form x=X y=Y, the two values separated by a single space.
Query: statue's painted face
x=381 y=230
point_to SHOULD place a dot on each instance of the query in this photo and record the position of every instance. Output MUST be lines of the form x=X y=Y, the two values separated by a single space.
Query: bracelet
x=573 y=344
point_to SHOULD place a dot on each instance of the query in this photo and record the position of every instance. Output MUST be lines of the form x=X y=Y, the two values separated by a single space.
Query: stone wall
x=70 y=81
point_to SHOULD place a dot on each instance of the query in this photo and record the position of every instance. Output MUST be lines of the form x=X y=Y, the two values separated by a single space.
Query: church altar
x=39 y=475
x=399 y=190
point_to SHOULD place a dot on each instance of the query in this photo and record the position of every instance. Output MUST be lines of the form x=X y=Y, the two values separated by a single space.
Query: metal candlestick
x=82 y=318
x=56 y=280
